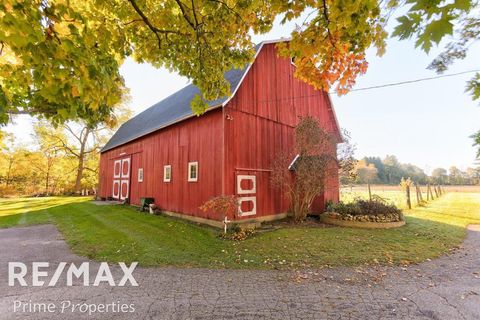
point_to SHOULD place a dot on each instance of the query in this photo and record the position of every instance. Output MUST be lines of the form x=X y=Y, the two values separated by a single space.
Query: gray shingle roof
x=170 y=110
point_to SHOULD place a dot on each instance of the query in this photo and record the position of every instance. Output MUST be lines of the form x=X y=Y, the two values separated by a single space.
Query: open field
x=117 y=233
x=395 y=194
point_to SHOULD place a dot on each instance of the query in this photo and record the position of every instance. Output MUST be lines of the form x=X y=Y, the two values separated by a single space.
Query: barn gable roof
x=176 y=107
x=170 y=110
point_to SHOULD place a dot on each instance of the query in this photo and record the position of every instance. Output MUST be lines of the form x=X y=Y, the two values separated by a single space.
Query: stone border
x=359 y=224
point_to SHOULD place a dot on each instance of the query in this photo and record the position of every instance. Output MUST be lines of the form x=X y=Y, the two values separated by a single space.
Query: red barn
x=180 y=160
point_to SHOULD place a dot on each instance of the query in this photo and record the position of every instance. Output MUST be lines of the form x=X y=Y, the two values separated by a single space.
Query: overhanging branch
x=149 y=24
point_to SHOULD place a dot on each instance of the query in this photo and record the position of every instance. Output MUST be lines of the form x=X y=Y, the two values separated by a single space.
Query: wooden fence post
x=420 y=193
x=409 y=203
x=428 y=191
x=369 y=192
x=436 y=192
x=416 y=192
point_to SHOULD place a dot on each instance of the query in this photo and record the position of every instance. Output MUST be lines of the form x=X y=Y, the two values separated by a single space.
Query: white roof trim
x=290 y=167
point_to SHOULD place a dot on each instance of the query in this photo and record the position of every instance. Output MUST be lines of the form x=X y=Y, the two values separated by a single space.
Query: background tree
x=366 y=172
x=346 y=159
x=393 y=172
x=56 y=162
x=48 y=155
x=378 y=163
x=439 y=176
x=455 y=176
x=316 y=156
x=476 y=143
x=16 y=174
x=82 y=142
x=474 y=175
x=415 y=173
x=8 y=159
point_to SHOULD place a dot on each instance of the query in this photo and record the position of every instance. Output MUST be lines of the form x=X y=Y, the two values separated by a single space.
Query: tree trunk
x=81 y=162
x=47 y=181
x=78 y=179
x=47 y=175
x=10 y=164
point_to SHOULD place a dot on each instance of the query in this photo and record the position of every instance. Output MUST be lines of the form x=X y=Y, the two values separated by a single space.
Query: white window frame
x=140 y=174
x=252 y=212
x=190 y=166
x=165 y=168
x=242 y=177
x=119 y=163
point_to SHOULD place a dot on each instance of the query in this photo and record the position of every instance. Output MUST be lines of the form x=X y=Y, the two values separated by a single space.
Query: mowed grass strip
x=118 y=233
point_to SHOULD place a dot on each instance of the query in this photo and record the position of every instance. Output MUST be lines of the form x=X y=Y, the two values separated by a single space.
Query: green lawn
x=116 y=233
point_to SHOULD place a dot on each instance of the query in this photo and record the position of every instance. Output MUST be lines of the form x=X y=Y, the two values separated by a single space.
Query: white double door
x=121 y=179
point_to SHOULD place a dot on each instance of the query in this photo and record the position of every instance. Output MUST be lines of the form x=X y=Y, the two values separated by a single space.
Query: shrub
x=223 y=205
x=304 y=179
x=359 y=207
x=238 y=233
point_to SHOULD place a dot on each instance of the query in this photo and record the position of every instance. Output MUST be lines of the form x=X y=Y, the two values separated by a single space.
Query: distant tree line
x=390 y=171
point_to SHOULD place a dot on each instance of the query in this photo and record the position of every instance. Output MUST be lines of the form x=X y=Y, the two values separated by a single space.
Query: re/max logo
x=17 y=272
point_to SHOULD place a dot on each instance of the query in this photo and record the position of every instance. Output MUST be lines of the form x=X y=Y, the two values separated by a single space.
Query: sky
x=425 y=123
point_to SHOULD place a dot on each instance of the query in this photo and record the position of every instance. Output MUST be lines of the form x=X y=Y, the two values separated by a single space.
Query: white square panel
x=241 y=178
x=247 y=213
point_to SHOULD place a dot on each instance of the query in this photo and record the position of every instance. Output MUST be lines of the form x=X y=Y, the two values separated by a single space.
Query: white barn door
x=246 y=188
x=121 y=179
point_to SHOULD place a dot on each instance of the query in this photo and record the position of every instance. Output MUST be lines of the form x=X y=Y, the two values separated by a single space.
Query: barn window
x=193 y=171
x=140 y=174
x=167 y=173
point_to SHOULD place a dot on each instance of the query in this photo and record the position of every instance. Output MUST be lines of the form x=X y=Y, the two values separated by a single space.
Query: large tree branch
x=91 y=170
x=185 y=16
x=149 y=24
x=327 y=19
x=65 y=146
x=66 y=126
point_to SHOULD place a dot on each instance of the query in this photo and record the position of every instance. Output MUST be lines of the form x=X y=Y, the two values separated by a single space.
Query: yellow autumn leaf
x=75 y=91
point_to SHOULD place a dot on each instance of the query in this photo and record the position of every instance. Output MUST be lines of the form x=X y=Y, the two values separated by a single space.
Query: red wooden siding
x=260 y=121
x=240 y=139
x=197 y=139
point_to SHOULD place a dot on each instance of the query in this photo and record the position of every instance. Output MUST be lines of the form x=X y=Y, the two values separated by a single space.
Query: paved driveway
x=446 y=288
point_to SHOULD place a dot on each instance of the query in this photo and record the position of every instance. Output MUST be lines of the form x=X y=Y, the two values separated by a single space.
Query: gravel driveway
x=446 y=288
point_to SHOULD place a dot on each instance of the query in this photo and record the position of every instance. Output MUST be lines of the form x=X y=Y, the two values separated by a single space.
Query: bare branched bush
x=302 y=174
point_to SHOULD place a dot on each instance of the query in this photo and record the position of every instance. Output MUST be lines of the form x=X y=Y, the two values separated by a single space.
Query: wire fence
x=399 y=196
